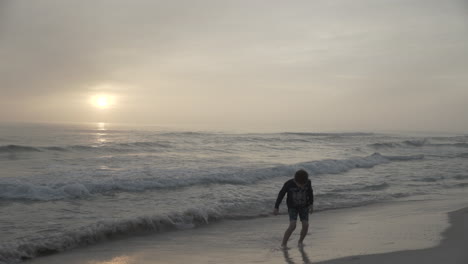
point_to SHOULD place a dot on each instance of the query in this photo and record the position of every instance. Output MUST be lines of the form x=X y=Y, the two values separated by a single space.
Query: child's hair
x=301 y=176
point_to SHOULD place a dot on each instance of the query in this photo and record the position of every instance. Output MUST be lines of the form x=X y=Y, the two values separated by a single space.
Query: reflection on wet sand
x=305 y=258
x=289 y=260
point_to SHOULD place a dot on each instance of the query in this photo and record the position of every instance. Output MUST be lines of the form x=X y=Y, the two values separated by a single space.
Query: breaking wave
x=74 y=190
x=32 y=247
x=26 y=249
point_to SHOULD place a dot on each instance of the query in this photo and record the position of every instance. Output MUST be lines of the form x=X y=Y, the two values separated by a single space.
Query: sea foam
x=19 y=190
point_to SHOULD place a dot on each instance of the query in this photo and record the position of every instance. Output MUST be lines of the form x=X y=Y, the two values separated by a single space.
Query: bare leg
x=288 y=232
x=305 y=229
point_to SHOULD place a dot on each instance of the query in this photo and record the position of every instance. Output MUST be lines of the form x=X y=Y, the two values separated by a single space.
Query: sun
x=102 y=101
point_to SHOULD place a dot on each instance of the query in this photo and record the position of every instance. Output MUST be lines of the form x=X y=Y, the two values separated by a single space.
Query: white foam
x=74 y=190
x=42 y=245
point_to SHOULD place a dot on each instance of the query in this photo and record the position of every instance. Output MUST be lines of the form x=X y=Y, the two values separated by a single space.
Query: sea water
x=64 y=186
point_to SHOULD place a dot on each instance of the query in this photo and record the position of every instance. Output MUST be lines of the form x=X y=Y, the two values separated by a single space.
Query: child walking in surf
x=300 y=201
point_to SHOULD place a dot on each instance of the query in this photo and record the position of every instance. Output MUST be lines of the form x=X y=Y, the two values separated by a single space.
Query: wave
x=411 y=143
x=274 y=139
x=32 y=247
x=17 y=148
x=461 y=177
x=455 y=145
x=103 y=230
x=460 y=145
x=189 y=133
x=441 y=178
x=40 y=245
x=385 y=145
x=375 y=187
x=26 y=249
x=349 y=134
x=359 y=188
x=430 y=179
x=54 y=148
x=145 y=144
x=201 y=133
x=416 y=143
x=76 y=190
x=116 y=147
x=405 y=158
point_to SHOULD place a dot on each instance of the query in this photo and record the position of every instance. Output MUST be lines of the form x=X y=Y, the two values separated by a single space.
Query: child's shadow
x=289 y=260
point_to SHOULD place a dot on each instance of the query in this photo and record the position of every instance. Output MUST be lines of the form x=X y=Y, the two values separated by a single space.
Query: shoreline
x=377 y=233
x=451 y=250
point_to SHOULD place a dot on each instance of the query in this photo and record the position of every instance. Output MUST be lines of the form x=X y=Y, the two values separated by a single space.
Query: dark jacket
x=297 y=197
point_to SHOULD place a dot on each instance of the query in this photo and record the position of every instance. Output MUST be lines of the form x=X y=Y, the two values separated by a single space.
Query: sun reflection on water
x=116 y=260
x=100 y=136
x=101 y=126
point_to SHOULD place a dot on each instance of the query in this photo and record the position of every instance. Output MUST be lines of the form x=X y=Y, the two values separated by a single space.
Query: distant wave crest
x=416 y=143
x=350 y=134
x=411 y=143
x=358 y=188
x=18 y=148
x=116 y=147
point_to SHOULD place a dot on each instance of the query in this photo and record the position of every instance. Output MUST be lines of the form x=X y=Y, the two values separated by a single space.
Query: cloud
x=183 y=59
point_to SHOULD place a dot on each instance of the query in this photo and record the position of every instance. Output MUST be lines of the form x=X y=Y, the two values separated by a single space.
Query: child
x=300 y=201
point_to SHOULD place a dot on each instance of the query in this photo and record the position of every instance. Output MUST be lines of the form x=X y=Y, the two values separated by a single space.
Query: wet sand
x=452 y=250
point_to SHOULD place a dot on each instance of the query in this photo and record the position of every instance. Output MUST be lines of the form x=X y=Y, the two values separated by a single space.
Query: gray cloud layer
x=316 y=65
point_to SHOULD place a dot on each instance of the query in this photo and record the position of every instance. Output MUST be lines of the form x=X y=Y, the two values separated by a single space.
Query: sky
x=322 y=65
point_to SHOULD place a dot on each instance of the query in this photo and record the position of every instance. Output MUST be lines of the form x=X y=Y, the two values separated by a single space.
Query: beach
x=94 y=193
x=402 y=232
x=168 y=132
x=452 y=249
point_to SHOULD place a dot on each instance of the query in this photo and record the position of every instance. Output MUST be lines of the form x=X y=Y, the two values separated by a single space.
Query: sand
x=452 y=249
x=399 y=232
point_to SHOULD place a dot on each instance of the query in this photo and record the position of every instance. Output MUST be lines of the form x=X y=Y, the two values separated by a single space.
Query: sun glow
x=102 y=101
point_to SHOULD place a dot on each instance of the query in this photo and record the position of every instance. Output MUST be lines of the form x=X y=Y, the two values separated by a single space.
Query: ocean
x=65 y=186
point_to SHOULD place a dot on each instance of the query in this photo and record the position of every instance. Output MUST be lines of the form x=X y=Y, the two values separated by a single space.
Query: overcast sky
x=317 y=65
